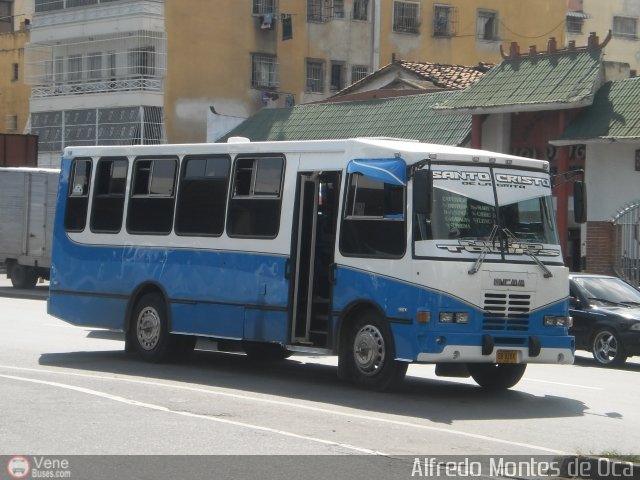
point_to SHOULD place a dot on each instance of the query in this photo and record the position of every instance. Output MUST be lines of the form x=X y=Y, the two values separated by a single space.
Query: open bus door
x=312 y=258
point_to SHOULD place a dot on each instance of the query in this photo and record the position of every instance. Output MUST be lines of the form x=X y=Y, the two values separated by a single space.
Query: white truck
x=27 y=209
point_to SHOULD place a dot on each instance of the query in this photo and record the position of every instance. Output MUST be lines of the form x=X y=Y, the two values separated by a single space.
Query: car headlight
x=454 y=317
x=557 y=321
x=635 y=327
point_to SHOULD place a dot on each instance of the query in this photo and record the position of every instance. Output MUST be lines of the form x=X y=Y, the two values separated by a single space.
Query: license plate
x=507 y=356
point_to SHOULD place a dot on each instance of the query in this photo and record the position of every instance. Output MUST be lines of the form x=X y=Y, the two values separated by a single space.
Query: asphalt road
x=73 y=391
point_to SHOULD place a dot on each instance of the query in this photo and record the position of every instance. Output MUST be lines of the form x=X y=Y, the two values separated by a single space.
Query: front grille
x=506 y=312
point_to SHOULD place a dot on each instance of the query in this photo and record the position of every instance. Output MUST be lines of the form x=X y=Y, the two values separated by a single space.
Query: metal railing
x=627 y=243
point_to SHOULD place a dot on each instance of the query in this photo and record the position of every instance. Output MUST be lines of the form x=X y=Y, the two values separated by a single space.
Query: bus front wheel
x=149 y=329
x=370 y=356
x=496 y=376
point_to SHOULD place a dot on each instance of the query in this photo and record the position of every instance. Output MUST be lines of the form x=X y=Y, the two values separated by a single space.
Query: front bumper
x=474 y=354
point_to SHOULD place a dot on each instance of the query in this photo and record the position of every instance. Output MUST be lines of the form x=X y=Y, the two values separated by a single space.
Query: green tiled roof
x=543 y=82
x=409 y=116
x=614 y=114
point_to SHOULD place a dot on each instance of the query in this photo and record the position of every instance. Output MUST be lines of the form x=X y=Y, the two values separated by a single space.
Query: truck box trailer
x=27 y=208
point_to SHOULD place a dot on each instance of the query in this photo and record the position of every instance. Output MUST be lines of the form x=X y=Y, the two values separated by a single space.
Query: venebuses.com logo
x=18 y=467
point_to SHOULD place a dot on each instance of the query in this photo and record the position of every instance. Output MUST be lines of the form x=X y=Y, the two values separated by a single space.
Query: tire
x=496 y=376
x=370 y=355
x=23 y=277
x=149 y=330
x=607 y=349
x=265 y=352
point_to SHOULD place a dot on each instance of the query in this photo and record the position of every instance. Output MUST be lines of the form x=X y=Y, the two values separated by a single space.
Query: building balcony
x=127 y=84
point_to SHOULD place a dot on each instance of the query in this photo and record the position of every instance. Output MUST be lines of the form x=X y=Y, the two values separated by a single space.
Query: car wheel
x=607 y=348
x=496 y=376
x=371 y=355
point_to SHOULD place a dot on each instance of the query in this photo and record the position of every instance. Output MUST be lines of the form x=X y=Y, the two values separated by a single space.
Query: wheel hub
x=148 y=328
x=605 y=347
x=369 y=350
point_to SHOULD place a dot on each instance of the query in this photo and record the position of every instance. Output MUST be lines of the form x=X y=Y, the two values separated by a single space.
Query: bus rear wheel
x=370 y=356
x=496 y=376
x=149 y=330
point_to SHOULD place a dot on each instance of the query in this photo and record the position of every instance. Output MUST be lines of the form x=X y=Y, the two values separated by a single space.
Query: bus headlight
x=556 y=321
x=454 y=317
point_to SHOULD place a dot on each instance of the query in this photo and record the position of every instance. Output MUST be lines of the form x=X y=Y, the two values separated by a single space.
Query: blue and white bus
x=383 y=252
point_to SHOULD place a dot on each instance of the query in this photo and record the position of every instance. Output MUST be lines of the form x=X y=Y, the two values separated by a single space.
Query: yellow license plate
x=507 y=356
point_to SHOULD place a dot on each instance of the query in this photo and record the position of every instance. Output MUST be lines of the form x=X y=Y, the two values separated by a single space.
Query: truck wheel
x=496 y=376
x=23 y=277
x=371 y=354
x=149 y=329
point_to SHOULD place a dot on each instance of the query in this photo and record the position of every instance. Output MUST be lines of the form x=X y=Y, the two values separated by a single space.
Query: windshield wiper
x=526 y=251
x=483 y=253
x=610 y=302
x=630 y=303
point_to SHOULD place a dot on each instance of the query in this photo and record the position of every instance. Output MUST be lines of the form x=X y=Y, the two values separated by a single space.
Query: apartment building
x=96 y=70
x=622 y=17
x=149 y=71
x=230 y=58
x=14 y=93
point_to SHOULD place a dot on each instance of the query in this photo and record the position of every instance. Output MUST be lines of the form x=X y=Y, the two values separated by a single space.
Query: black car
x=606 y=317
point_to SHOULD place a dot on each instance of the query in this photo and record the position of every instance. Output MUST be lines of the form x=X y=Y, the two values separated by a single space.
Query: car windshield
x=605 y=291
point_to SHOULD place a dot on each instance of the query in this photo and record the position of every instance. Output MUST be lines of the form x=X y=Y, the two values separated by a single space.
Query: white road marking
x=300 y=407
x=160 y=408
x=562 y=384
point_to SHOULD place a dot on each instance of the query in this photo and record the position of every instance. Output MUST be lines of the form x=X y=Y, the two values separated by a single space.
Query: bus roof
x=410 y=151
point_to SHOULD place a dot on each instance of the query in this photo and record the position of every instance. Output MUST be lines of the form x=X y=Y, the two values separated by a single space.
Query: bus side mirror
x=422 y=189
x=579 y=202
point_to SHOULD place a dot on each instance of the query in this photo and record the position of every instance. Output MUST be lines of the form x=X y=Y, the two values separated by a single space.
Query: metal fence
x=627 y=243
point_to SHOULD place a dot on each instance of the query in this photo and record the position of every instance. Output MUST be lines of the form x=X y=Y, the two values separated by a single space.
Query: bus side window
x=152 y=199
x=202 y=196
x=254 y=208
x=75 y=215
x=108 y=196
x=373 y=222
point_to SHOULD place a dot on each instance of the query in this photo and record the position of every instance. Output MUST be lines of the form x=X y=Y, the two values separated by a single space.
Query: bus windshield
x=471 y=205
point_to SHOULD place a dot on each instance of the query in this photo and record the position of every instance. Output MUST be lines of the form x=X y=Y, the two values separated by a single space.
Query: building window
x=315 y=76
x=108 y=197
x=74 y=68
x=358 y=72
x=75 y=215
x=58 y=70
x=142 y=61
x=337 y=76
x=487 y=25
x=316 y=11
x=625 y=27
x=264 y=7
x=338 y=9
x=152 y=196
x=406 y=17
x=263 y=71
x=254 y=208
x=574 y=24
x=202 y=197
x=94 y=61
x=361 y=10
x=11 y=123
x=6 y=17
x=443 y=21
